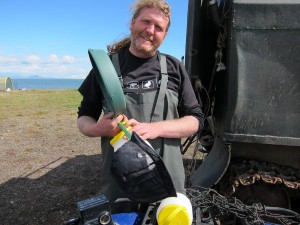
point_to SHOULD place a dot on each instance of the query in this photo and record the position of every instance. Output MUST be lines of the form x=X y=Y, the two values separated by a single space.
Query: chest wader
x=162 y=104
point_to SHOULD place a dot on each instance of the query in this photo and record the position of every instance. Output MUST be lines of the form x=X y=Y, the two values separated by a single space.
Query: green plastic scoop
x=108 y=80
x=109 y=83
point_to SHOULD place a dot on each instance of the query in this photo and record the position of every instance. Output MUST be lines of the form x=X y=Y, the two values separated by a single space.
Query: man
x=162 y=119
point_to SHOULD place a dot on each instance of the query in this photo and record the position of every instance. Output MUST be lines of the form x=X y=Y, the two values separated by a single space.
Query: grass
x=38 y=103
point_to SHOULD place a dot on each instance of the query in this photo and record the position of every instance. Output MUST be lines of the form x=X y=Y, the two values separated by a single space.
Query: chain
x=218 y=206
x=247 y=172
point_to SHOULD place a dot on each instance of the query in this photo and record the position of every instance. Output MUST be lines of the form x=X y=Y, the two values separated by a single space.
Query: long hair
x=136 y=9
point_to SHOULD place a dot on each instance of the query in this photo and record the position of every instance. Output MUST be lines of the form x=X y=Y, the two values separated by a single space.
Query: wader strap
x=115 y=61
x=158 y=105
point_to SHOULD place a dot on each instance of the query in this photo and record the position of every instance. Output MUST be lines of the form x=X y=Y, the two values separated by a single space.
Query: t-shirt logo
x=148 y=84
x=133 y=85
x=136 y=86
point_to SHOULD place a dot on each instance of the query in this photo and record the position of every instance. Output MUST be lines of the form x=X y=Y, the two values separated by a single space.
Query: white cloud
x=53 y=58
x=7 y=59
x=68 y=59
x=32 y=58
x=51 y=66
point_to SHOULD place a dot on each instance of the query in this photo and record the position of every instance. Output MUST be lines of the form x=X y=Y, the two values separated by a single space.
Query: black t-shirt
x=141 y=75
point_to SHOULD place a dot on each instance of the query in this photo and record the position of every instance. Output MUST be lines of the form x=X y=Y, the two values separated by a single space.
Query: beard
x=147 y=50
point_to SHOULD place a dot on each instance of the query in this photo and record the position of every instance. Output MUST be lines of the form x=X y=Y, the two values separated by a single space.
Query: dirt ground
x=46 y=167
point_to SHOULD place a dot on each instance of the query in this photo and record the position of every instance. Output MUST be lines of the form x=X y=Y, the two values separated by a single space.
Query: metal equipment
x=244 y=61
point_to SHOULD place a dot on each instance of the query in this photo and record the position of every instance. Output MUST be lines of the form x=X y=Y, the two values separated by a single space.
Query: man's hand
x=107 y=126
x=144 y=130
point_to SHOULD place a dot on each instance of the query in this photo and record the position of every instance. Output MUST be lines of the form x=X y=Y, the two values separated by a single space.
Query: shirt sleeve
x=87 y=108
x=91 y=104
x=188 y=103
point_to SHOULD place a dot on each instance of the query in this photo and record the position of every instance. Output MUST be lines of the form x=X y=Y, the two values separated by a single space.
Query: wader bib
x=162 y=104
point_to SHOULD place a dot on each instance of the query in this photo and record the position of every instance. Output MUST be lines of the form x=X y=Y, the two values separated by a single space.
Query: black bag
x=141 y=172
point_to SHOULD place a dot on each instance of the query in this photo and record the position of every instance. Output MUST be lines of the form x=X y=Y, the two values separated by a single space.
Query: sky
x=51 y=38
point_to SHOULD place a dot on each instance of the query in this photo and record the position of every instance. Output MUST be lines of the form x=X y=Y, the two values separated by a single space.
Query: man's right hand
x=107 y=126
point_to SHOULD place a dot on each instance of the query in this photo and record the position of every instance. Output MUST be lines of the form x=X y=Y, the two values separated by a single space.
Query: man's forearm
x=84 y=124
x=178 y=128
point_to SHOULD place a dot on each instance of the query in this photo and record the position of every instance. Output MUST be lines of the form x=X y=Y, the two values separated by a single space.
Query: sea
x=29 y=84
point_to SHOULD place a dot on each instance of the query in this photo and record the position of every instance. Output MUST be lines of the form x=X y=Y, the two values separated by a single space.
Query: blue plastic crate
x=131 y=218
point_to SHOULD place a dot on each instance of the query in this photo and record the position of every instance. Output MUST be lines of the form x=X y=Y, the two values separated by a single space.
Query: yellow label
x=118 y=136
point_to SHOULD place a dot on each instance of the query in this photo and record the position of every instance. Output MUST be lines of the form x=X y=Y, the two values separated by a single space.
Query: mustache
x=135 y=40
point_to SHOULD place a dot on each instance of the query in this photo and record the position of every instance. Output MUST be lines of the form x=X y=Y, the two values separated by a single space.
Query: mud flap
x=213 y=166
